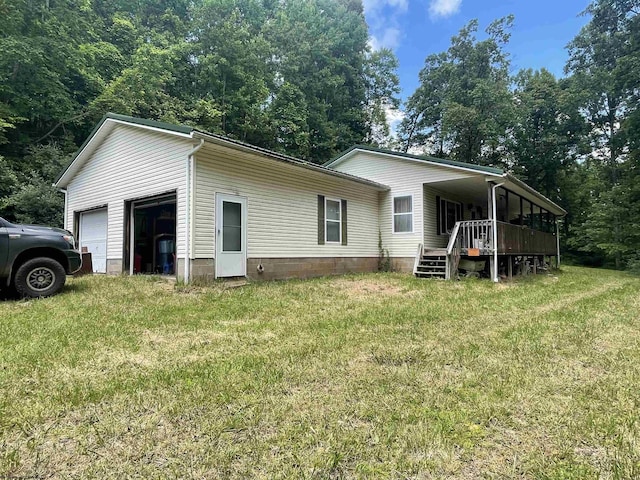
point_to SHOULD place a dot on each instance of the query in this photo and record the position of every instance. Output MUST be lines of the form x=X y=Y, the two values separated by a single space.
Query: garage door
x=93 y=236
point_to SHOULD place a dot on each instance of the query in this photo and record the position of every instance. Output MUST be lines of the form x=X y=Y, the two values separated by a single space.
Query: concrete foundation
x=283 y=268
x=402 y=264
x=114 y=266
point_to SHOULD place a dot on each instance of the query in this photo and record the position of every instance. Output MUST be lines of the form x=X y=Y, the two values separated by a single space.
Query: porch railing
x=475 y=234
x=511 y=239
x=521 y=240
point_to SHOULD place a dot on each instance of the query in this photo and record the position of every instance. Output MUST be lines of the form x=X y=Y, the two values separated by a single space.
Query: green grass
x=372 y=376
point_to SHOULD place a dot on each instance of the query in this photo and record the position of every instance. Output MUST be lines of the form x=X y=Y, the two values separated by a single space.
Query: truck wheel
x=39 y=277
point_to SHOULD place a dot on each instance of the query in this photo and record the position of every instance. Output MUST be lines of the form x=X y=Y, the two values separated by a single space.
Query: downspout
x=187 y=229
x=495 y=230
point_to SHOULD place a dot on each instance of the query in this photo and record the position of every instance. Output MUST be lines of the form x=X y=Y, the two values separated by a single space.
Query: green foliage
x=463 y=106
x=294 y=76
x=547 y=132
x=605 y=66
x=384 y=260
x=27 y=195
x=382 y=90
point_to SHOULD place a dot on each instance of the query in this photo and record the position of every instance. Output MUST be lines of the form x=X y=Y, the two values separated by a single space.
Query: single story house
x=149 y=197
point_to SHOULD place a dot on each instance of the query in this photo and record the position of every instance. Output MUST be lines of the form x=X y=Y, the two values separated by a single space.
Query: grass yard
x=366 y=376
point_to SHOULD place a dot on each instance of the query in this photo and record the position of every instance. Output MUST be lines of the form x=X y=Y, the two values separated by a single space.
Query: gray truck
x=35 y=260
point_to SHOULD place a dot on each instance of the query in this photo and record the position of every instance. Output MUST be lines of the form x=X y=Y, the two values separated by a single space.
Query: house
x=150 y=197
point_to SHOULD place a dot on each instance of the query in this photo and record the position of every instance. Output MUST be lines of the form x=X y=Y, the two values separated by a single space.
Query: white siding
x=130 y=163
x=281 y=206
x=405 y=177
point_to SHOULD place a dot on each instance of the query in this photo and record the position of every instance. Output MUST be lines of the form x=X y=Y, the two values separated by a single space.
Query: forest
x=299 y=77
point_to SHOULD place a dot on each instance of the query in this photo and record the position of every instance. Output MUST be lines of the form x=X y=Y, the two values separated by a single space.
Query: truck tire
x=39 y=277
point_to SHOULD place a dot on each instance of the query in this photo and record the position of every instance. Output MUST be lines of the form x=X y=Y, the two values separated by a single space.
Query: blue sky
x=414 y=29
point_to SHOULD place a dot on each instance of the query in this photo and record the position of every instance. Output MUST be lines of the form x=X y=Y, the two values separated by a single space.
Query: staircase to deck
x=432 y=263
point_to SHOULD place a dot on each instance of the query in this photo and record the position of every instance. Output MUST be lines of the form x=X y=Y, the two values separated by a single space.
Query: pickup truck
x=36 y=260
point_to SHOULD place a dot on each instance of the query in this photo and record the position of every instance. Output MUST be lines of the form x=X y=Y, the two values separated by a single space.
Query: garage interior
x=154 y=235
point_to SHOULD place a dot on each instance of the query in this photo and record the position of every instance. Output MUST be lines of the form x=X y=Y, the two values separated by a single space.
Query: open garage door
x=93 y=236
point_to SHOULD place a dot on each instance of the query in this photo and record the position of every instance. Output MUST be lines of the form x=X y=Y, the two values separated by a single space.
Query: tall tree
x=605 y=63
x=382 y=90
x=463 y=106
x=547 y=131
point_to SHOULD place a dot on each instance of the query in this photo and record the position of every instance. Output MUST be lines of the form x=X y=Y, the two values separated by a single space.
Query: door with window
x=231 y=236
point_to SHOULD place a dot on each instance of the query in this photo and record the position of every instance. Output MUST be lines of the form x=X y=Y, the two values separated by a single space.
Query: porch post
x=557 y=243
x=494 y=228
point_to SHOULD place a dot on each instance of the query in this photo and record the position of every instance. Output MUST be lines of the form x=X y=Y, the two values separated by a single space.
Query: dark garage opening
x=154 y=235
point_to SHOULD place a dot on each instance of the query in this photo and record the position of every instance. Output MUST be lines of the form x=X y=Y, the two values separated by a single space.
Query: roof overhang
x=460 y=166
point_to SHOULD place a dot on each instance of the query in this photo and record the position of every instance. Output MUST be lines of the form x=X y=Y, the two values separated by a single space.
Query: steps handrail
x=453 y=237
x=418 y=257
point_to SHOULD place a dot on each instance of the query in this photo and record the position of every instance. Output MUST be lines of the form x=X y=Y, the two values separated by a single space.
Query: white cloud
x=384 y=26
x=444 y=8
x=389 y=38
x=371 y=6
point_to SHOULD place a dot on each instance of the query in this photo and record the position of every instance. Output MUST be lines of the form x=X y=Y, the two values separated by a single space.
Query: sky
x=414 y=29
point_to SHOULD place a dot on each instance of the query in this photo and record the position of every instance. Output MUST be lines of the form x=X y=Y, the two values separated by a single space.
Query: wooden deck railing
x=475 y=234
x=512 y=239
x=520 y=240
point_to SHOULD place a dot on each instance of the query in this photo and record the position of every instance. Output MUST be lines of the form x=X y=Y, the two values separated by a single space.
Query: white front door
x=93 y=236
x=231 y=236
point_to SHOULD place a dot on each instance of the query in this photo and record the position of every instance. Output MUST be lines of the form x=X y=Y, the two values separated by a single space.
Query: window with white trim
x=332 y=221
x=403 y=214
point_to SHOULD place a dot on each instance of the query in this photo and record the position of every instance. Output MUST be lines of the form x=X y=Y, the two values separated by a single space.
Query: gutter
x=187 y=227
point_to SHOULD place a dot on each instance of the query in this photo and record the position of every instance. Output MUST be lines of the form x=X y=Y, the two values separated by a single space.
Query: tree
x=547 y=131
x=382 y=90
x=463 y=106
x=31 y=198
x=605 y=63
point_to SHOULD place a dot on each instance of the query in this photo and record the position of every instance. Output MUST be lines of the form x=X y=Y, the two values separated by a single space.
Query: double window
x=403 y=214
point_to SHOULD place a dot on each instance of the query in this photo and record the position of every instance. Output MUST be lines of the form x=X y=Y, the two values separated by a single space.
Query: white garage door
x=93 y=236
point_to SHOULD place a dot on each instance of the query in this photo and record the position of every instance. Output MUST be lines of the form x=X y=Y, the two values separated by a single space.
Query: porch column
x=494 y=231
x=557 y=243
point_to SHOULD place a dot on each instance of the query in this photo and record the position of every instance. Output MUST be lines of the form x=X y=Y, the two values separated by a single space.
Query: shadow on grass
x=8 y=294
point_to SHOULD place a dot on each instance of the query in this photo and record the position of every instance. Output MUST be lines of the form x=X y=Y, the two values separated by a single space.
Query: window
x=333 y=221
x=448 y=214
x=403 y=214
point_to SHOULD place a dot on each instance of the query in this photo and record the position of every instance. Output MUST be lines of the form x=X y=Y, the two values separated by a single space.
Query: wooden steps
x=432 y=264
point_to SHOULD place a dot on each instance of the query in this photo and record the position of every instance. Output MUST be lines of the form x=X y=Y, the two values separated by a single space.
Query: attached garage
x=93 y=237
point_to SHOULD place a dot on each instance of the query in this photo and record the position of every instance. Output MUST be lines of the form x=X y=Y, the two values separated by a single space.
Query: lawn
x=365 y=376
